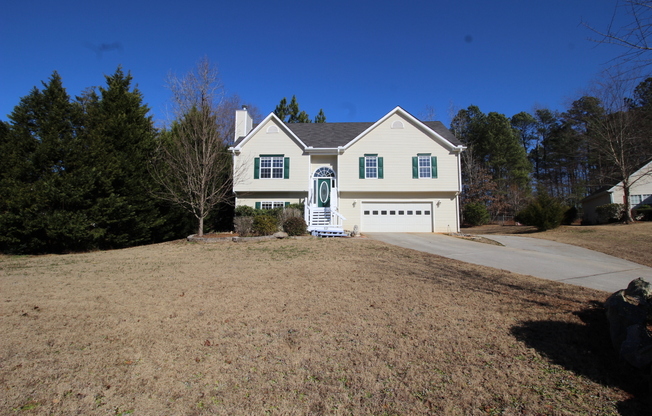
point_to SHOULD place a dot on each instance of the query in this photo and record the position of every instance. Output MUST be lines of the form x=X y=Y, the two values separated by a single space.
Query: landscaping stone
x=629 y=312
x=281 y=234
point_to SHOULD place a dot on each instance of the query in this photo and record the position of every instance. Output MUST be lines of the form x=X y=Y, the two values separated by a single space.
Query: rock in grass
x=629 y=312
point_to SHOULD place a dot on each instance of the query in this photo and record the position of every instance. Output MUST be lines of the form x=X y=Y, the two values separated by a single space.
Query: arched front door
x=324 y=187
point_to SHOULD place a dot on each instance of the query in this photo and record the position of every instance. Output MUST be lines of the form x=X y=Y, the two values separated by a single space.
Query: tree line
x=598 y=141
x=93 y=172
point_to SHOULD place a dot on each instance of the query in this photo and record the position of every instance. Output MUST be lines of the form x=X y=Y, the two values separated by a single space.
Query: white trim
x=282 y=204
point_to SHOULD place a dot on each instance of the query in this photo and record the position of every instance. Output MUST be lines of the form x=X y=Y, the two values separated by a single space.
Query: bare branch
x=633 y=36
x=193 y=166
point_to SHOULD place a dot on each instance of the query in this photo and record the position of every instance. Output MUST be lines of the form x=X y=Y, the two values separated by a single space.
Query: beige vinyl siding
x=318 y=161
x=642 y=185
x=397 y=147
x=264 y=143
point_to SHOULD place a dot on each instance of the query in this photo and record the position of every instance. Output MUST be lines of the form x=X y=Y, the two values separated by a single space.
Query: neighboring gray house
x=640 y=193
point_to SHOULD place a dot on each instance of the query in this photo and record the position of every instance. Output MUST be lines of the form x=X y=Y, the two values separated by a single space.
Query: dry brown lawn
x=632 y=242
x=305 y=327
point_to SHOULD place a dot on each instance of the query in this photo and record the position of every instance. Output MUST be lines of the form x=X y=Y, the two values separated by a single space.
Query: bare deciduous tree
x=633 y=35
x=617 y=136
x=193 y=166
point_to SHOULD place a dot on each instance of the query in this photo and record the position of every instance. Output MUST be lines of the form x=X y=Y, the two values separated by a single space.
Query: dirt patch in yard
x=311 y=326
x=631 y=242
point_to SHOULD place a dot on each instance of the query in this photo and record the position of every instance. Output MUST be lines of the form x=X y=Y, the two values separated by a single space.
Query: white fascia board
x=409 y=117
x=278 y=121
x=322 y=150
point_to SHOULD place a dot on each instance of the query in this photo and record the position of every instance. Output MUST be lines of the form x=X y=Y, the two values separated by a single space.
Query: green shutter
x=433 y=166
x=380 y=168
x=362 y=168
x=286 y=168
x=256 y=168
x=415 y=167
x=287 y=204
x=257 y=203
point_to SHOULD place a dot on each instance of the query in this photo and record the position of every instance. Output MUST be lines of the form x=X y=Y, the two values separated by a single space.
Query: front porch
x=321 y=213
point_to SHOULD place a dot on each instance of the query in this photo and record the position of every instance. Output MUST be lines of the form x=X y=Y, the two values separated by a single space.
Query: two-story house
x=397 y=174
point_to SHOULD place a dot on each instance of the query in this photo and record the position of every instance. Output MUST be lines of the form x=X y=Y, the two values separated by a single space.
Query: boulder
x=280 y=234
x=629 y=312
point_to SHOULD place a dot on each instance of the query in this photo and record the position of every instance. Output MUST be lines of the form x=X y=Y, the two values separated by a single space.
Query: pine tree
x=290 y=113
x=45 y=199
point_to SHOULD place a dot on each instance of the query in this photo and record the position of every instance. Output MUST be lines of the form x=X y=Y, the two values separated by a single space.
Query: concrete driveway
x=531 y=256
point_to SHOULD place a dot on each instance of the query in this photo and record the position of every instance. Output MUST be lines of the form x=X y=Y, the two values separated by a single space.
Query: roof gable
x=241 y=141
x=344 y=135
x=435 y=130
x=643 y=171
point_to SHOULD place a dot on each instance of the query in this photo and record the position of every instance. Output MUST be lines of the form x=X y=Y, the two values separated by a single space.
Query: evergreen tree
x=120 y=139
x=321 y=117
x=43 y=208
x=495 y=146
x=290 y=113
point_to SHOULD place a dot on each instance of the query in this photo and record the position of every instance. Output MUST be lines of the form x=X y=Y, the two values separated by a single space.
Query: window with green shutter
x=272 y=167
x=371 y=167
x=424 y=166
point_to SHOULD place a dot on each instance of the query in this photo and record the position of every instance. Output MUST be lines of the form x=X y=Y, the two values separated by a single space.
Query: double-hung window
x=424 y=166
x=272 y=167
x=271 y=204
x=371 y=167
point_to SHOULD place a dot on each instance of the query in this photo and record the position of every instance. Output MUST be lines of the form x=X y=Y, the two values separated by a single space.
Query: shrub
x=295 y=226
x=245 y=211
x=244 y=226
x=570 y=215
x=544 y=212
x=475 y=213
x=288 y=213
x=610 y=212
x=265 y=224
x=643 y=213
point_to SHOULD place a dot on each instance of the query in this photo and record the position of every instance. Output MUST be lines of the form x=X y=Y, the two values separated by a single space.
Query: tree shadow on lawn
x=586 y=350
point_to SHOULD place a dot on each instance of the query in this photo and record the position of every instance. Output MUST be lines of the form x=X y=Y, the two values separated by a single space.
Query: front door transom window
x=324 y=172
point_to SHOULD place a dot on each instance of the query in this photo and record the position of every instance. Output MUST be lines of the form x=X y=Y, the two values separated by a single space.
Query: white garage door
x=414 y=217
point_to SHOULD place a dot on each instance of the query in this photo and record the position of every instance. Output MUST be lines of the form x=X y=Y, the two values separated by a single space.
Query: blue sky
x=355 y=59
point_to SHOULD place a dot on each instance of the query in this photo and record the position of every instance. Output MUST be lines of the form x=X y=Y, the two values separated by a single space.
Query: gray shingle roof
x=327 y=135
x=330 y=135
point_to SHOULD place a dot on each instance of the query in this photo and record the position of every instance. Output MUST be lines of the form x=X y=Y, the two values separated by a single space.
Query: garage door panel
x=397 y=217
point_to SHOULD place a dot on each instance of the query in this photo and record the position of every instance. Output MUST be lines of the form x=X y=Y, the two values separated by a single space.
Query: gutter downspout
x=459 y=187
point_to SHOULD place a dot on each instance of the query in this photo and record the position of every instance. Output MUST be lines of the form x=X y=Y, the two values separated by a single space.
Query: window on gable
x=371 y=167
x=424 y=167
x=272 y=167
